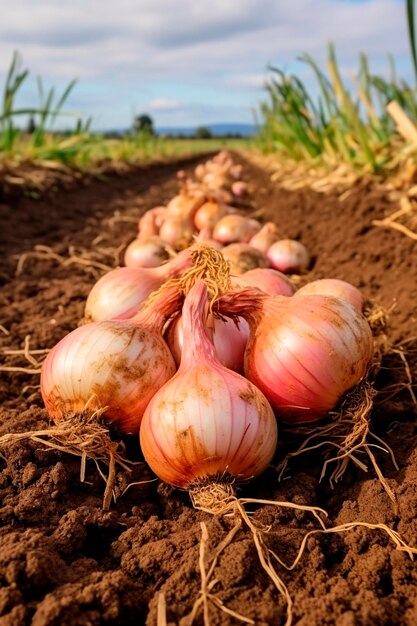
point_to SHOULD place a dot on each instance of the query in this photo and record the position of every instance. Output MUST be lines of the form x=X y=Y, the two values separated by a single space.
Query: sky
x=189 y=63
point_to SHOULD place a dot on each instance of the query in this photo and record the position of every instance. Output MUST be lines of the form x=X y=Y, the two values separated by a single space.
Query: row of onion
x=205 y=365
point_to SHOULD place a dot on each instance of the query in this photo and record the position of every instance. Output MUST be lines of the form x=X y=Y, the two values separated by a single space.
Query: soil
x=66 y=562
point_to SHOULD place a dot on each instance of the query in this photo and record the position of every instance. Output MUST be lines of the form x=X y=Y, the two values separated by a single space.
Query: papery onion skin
x=336 y=288
x=120 y=293
x=207 y=420
x=267 y=279
x=118 y=365
x=288 y=256
x=304 y=353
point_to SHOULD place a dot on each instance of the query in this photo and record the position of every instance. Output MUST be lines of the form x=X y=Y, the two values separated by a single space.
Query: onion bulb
x=207 y=420
x=120 y=293
x=336 y=288
x=150 y=252
x=116 y=365
x=209 y=214
x=288 y=256
x=242 y=257
x=264 y=239
x=151 y=221
x=234 y=228
x=177 y=231
x=303 y=352
x=268 y=280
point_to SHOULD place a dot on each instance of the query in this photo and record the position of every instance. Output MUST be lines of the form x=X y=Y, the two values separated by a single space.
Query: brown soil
x=65 y=562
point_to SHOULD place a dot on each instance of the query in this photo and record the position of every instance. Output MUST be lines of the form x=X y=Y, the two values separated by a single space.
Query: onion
x=303 y=352
x=209 y=214
x=334 y=287
x=239 y=188
x=288 y=256
x=234 y=228
x=204 y=236
x=185 y=204
x=177 y=231
x=207 y=420
x=146 y=253
x=120 y=293
x=268 y=280
x=151 y=221
x=242 y=257
x=264 y=239
x=116 y=365
x=236 y=171
x=229 y=340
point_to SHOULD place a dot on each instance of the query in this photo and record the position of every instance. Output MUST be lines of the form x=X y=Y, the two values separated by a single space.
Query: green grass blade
x=412 y=33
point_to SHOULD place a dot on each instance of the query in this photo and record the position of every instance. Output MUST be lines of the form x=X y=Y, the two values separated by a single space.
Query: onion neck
x=163 y=305
x=176 y=267
x=247 y=303
x=197 y=337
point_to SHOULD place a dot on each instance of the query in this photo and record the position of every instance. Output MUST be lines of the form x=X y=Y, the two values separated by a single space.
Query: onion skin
x=303 y=352
x=117 y=365
x=336 y=288
x=288 y=256
x=120 y=293
x=267 y=279
x=207 y=420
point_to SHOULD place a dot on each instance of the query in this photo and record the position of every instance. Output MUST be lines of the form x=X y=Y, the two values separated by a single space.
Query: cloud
x=164 y=104
x=138 y=53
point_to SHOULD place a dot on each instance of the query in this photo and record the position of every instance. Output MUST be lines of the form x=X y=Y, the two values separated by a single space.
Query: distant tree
x=202 y=132
x=31 y=127
x=143 y=124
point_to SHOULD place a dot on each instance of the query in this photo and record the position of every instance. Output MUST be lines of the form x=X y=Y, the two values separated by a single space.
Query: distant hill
x=219 y=130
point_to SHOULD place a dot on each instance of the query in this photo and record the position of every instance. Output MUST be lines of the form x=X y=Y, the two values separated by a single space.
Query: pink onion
x=303 y=352
x=264 y=238
x=288 y=256
x=268 y=280
x=207 y=420
x=239 y=188
x=336 y=288
x=151 y=221
x=242 y=257
x=209 y=214
x=229 y=340
x=146 y=253
x=116 y=365
x=235 y=228
x=177 y=231
x=120 y=293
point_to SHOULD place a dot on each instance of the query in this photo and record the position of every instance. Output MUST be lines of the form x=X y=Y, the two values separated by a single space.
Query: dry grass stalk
x=4 y=330
x=46 y=253
x=84 y=435
x=404 y=124
x=29 y=356
x=406 y=208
